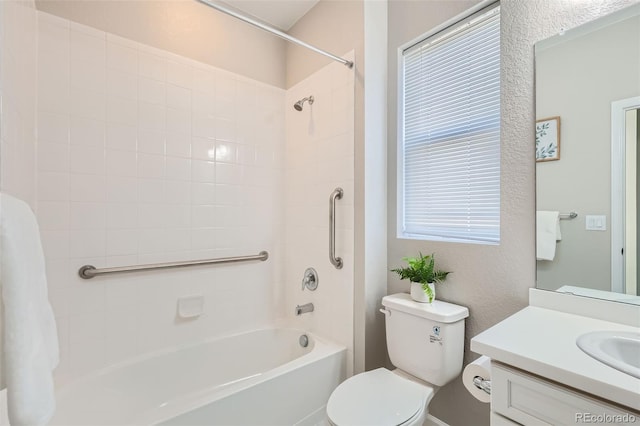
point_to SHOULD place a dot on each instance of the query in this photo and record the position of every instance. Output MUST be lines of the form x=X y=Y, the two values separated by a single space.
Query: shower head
x=298 y=105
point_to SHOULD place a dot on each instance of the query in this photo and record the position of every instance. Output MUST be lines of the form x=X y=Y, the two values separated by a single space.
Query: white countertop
x=542 y=341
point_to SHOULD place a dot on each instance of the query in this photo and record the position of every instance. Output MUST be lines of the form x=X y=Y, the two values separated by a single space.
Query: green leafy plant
x=421 y=269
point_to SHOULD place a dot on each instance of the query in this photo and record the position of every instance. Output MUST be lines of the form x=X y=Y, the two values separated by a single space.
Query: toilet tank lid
x=437 y=311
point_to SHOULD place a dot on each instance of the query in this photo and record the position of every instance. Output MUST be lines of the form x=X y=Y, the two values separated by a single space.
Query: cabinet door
x=530 y=400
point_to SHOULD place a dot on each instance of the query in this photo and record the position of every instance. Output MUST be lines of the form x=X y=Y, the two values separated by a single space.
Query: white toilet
x=426 y=345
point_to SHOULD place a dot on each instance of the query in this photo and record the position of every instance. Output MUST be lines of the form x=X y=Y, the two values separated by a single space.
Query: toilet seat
x=377 y=397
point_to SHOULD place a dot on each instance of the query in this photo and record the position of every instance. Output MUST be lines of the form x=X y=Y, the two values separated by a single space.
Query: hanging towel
x=29 y=346
x=547 y=233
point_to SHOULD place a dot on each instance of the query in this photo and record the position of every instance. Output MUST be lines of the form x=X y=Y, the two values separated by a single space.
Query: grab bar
x=90 y=271
x=335 y=195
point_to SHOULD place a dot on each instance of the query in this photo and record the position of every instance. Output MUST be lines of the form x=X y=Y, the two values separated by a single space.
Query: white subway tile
x=203 y=171
x=122 y=163
x=176 y=215
x=122 y=84
x=229 y=173
x=53 y=128
x=179 y=74
x=203 y=148
x=121 y=242
x=178 y=192
x=84 y=159
x=122 y=58
x=121 y=110
x=87 y=132
x=178 y=121
x=121 y=136
x=204 y=216
x=203 y=193
x=151 y=215
x=87 y=216
x=122 y=189
x=178 y=97
x=53 y=215
x=87 y=188
x=87 y=243
x=150 y=166
x=226 y=152
x=178 y=145
x=178 y=168
x=53 y=158
x=87 y=103
x=204 y=80
x=55 y=244
x=152 y=91
x=225 y=130
x=151 y=116
x=151 y=241
x=86 y=327
x=151 y=141
x=53 y=186
x=151 y=190
x=122 y=215
x=152 y=66
x=203 y=125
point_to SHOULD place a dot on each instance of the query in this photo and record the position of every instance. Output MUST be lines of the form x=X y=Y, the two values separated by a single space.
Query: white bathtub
x=261 y=377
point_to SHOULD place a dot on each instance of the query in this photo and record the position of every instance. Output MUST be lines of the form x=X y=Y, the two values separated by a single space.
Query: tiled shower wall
x=144 y=156
x=18 y=99
x=320 y=158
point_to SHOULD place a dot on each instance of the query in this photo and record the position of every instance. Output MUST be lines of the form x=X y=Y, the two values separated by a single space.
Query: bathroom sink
x=617 y=349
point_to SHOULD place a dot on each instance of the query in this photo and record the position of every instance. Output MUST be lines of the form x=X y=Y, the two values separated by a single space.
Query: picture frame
x=548 y=139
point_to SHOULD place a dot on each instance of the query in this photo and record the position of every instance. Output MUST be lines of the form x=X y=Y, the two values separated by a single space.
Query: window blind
x=451 y=134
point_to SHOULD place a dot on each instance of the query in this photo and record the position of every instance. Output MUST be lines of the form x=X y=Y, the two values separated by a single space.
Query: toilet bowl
x=425 y=343
x=379 y=398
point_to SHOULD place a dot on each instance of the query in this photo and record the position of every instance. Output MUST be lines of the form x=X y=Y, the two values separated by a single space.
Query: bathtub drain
x=304 y=341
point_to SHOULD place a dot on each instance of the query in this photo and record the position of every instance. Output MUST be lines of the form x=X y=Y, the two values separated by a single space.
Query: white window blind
x=450 y=135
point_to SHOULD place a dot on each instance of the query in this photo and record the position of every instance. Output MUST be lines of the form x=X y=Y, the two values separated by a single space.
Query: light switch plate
x=596 y=223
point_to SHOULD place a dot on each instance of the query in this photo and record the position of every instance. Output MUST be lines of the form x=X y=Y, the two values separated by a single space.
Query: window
x=449 y=158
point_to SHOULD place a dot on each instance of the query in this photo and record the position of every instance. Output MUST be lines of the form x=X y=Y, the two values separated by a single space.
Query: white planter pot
x=419 y=295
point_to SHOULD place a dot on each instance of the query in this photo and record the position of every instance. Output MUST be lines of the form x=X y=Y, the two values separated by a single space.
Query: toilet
x=426 y=345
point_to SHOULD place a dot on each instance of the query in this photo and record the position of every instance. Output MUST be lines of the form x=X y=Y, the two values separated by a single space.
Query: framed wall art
x=548 y=139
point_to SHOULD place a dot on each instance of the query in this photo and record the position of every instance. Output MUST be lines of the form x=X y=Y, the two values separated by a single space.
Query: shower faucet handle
x=310 y=279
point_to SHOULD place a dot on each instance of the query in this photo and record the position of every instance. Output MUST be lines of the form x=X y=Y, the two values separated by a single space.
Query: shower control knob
x=310 y=279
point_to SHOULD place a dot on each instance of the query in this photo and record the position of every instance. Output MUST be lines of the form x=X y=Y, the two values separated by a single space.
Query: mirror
x=587 y=136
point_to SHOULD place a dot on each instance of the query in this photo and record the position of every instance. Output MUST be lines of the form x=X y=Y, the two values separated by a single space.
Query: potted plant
x=423 y=275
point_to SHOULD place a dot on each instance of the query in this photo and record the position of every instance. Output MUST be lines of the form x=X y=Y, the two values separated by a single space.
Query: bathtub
x=260 y=377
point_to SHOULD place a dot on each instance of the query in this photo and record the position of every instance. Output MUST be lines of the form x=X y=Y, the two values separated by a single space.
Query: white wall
x=492 y=281
x=581 y=180
x=184 y=27
x=126 y=135
x=18 y=70
x=18 y=99
x=320 y=158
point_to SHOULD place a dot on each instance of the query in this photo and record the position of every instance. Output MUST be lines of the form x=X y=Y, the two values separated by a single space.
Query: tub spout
x=304 y=308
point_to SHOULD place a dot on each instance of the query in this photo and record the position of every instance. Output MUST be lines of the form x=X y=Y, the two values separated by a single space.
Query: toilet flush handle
x=384 y=311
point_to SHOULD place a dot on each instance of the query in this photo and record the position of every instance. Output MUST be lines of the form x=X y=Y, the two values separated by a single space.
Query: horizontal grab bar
x=90 y=271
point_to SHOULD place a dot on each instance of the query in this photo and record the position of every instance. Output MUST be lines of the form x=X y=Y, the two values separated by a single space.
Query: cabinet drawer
x=530 y=400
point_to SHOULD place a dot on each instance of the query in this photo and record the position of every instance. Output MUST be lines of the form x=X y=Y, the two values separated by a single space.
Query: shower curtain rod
x=275 y=31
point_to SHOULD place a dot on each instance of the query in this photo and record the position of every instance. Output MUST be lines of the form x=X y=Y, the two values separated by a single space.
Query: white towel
x=30 y=341
x=547 y=233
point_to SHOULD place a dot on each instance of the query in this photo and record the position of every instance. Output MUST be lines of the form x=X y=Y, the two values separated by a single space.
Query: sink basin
x=617 y=349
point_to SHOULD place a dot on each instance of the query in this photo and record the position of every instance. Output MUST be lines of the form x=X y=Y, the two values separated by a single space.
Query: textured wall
x=491 y=280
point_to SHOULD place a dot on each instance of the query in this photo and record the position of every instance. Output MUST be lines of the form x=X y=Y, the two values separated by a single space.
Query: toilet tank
x=425 y=340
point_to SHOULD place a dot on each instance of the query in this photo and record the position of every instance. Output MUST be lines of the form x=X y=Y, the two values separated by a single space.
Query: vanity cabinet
x=520 y=397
